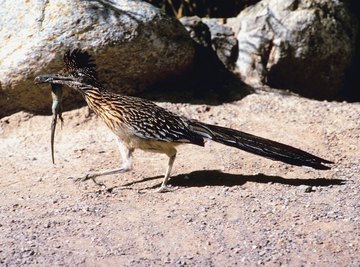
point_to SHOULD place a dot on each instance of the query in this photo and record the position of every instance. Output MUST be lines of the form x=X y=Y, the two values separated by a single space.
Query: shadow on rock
x=207 y=81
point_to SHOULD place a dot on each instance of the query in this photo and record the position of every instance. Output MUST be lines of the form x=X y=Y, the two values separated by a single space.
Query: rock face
x=224 y=42
x=210 y=33
x=134 y=45
x=302 y=45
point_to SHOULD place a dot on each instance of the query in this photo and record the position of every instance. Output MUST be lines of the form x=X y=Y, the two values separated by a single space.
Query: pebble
x=306 y=189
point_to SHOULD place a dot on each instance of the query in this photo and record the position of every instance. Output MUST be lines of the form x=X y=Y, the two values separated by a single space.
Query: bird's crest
x=80 y=64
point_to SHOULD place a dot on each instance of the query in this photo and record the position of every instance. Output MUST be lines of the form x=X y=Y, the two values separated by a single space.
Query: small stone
x=306 y=189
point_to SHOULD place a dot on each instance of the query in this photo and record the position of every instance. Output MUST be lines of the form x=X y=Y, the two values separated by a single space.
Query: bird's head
x=79 y=69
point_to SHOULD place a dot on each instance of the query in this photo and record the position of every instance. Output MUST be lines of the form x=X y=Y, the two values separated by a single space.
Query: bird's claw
x=85 y=178
x=165 y=189
x=81 y=179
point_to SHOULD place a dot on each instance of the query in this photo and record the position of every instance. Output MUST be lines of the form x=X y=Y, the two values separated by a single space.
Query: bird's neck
x=94 y=97
x=100 y=101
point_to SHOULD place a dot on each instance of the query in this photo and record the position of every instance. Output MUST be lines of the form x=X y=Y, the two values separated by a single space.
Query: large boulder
x=133 y=42
x=302 y=45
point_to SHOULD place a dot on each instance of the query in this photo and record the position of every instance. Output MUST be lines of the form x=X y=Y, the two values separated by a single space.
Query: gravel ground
x=229 y=207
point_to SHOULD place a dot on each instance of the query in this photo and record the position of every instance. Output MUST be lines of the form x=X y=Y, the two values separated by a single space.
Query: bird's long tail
x=259 y=146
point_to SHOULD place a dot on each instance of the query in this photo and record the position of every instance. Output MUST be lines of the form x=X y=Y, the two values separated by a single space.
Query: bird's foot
x=83 y=178
x=87 y=177
x=165 y=189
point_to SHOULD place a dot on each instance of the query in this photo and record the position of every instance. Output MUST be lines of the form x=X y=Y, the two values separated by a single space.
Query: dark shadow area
x=202 y=8
x=218 y=178
x=351 y=88
x=207 y=81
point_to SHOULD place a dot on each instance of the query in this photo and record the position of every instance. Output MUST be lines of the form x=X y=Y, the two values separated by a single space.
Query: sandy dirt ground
x=229 y=207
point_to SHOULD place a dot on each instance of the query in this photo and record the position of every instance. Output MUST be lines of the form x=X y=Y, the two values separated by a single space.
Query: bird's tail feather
x=259 y=146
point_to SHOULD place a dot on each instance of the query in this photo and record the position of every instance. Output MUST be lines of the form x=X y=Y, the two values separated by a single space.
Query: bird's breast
x=135 y=142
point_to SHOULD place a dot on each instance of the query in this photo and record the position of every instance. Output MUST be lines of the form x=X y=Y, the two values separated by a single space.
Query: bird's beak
x=51 y=78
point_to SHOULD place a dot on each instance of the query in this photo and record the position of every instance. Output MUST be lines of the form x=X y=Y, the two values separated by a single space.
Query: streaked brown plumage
x=141 y=124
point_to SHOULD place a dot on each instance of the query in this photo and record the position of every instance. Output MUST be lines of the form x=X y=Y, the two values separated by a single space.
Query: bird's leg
x=164 y=188
x=126 y=155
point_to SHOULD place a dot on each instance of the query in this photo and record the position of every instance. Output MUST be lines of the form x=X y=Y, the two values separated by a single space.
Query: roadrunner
x=141 y=124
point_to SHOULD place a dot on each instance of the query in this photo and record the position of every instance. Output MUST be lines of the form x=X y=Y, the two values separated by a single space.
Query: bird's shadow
x=218 y=178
